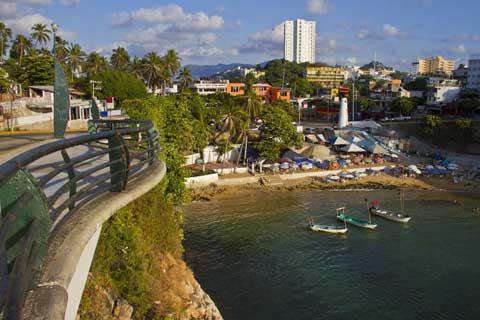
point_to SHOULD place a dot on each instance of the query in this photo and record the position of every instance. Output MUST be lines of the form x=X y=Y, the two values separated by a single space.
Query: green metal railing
x=43 y=187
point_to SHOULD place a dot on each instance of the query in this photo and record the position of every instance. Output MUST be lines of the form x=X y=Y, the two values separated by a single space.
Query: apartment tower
x=433 y=66
x=300 y=40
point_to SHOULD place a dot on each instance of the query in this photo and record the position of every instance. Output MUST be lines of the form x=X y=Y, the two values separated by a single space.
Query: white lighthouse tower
x=343 y=117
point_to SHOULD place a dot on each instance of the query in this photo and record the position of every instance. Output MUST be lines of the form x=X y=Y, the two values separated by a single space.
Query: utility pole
x=353 y=103
x=93 y=82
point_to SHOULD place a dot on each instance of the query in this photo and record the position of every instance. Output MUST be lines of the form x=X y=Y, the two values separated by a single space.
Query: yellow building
x=327 y=77
x=434 y=66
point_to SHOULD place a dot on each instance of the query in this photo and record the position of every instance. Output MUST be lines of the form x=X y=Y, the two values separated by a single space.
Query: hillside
x=199 y=71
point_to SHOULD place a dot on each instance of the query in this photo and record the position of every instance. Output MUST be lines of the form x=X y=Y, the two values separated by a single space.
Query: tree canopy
x=402 y=105
x=121 y=85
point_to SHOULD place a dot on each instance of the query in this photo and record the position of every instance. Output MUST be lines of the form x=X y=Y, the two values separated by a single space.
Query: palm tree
x=5 y=36
x=233 y=120
x=41 y=34
x=21 y=45
x=120 y=59
x=172 y=61
x=75 y=58
x=137 y=68
x=96 y=64
x=61 y=50
x=253 y=106
x=153 y=71
x=186 y=78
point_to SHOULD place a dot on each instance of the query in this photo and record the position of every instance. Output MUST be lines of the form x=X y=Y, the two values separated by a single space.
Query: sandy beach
x=378 y=182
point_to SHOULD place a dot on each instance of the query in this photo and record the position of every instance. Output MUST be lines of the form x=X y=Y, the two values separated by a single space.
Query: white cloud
x=192 y=34
x=69 y=2
x=36 y=2
x=460 y=49
x=201 y=52
x=172 y=15
x=8 y=9
x=352 y=61
x=67 y=35
x=269 y=42
x=465 y=37
x=365 y=34
x=24 y=23
x=319 y=7
x=206 y=38
x=391 y=30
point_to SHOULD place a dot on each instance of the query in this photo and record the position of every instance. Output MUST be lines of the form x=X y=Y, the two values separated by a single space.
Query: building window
x=86 y=113
x=74 y=114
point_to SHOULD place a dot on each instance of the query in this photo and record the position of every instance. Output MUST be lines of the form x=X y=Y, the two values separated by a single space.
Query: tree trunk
x=225 y=154
x=239 y=155
x=245 y=150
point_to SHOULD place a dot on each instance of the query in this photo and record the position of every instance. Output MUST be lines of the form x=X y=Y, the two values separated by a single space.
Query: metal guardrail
x=43 y=187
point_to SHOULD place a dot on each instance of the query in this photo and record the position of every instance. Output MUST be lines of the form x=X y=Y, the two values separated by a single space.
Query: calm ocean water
x=255 y=258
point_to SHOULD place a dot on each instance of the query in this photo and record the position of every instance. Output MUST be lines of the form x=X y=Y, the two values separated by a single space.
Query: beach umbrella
x=321 y=137
x=354 y=139
x=352 y=148
x=339 y=141
x=311 y=138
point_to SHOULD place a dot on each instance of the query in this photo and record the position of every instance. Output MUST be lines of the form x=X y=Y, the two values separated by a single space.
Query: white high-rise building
x=300 y=40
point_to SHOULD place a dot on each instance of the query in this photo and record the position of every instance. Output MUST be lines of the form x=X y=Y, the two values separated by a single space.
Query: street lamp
x=54 y=27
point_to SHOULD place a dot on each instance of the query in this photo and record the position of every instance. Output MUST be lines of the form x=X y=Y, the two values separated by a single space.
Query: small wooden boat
x=389 y=215
x=354 y=221
x=326 y=228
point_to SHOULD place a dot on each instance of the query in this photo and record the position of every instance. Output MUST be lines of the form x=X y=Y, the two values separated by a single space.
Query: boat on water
x=366 y=224
x=374 y=208
x=326 y=228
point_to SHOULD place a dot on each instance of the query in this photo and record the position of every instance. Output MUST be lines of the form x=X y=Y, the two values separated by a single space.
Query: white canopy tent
x=339 y=141
x=354 y=139
x=352 y=148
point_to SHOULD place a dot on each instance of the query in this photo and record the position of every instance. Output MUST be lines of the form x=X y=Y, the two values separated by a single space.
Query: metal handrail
x=108 y=169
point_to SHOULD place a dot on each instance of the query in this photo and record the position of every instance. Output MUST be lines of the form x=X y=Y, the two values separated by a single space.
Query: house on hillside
x=268 y=93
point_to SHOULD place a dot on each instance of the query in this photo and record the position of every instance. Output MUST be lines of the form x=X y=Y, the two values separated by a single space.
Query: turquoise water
x=255 y=258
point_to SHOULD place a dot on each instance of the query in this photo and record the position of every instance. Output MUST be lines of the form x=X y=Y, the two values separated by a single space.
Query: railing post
x=118 y=169
x=71 y=176
x=152 y=144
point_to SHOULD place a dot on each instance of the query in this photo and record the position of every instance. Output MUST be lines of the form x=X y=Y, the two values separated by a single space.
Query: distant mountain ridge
x=200 y=71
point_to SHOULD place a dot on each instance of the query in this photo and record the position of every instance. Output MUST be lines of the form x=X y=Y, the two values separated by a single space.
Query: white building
x=473 y=78
x=206 y=87
x=299 y=41
x=442 y=94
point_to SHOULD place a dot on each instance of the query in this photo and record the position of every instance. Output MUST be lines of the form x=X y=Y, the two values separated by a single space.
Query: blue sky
x=249 y=31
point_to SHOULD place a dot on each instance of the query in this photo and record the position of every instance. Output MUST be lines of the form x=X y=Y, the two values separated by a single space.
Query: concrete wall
x=71 y=247
x=189 y=160
x=231 y=170
x=201 y=181
x=79 y=279
x=211 y=154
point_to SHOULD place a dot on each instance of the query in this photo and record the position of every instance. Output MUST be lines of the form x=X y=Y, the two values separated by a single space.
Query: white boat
x=397 y=217
x=389 y=215
x=333 y=178
x=326 y=228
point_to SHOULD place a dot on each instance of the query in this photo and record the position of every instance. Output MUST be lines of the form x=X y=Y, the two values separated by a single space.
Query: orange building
x=278 y=93
x=262 y=89
x=236 y=88
x=269 y=93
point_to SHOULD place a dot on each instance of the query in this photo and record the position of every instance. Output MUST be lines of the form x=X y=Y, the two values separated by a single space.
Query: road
x=11 y=142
